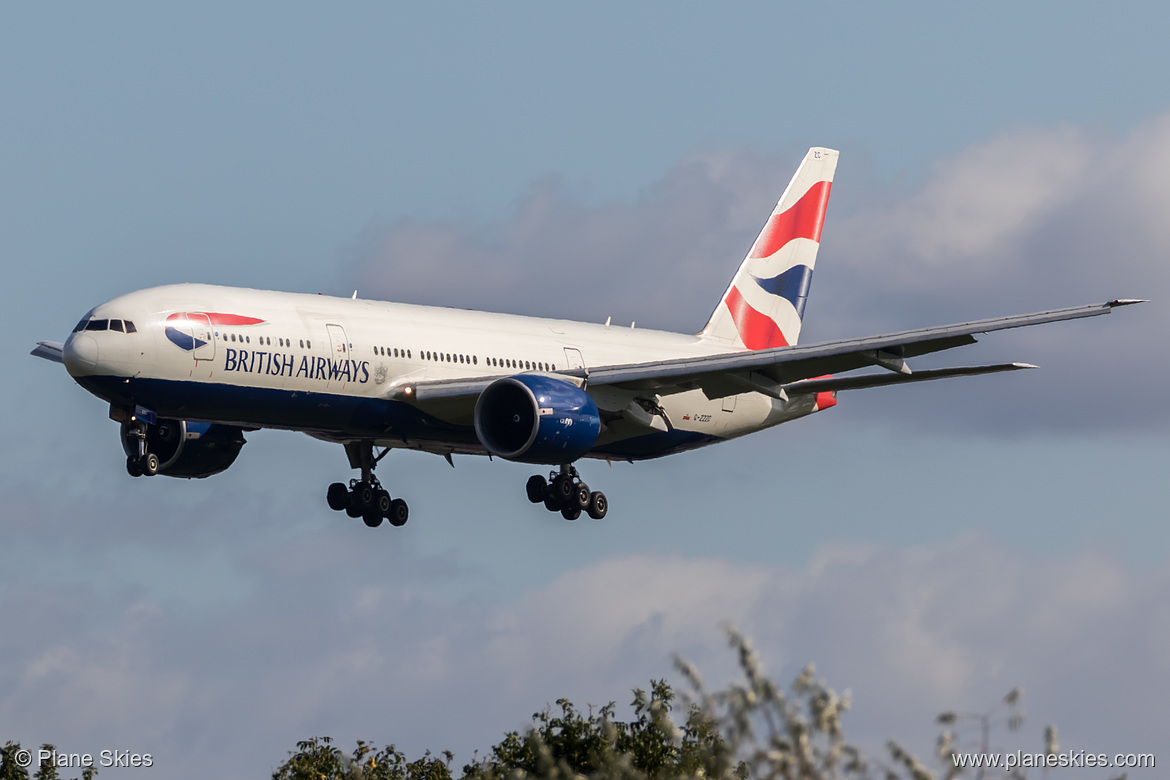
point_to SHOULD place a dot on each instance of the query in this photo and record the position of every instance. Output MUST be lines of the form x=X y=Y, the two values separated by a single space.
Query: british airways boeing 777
x=188 y=368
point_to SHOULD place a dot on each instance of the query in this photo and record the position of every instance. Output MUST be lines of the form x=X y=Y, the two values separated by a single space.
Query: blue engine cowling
x=188 y=449
x=536 y=419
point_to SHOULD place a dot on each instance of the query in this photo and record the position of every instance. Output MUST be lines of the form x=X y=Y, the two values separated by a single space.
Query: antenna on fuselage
x=354 y=296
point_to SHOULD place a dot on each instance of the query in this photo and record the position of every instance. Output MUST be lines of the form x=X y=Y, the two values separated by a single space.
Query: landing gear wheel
x=398 y=513
x=352 y=507
x=562 y=489
x=581 y=496
x=598 y=505
x=382 y=502
x=149 y=463
x=365 y=495
x=551 y=504
x=337 y=496
x=133 y=467
x=570 y=513
x=372 y=519
x=536 y=488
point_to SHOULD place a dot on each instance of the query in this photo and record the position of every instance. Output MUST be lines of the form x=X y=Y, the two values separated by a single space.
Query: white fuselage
x=329 y=366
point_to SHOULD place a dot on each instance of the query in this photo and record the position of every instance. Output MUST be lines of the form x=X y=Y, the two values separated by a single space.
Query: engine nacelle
x=536 y=419
x=188 y=449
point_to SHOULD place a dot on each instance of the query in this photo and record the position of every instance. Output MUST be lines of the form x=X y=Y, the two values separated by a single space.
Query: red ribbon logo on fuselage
x=182 y=326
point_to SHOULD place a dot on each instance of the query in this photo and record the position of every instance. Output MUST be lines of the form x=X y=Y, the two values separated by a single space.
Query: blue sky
x=930 y=547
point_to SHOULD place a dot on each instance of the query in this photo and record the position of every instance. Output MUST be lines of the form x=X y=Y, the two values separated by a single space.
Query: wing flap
x=837 y=383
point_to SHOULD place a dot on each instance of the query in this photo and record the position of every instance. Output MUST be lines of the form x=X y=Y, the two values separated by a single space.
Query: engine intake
x=536 y=419
x=188 y=449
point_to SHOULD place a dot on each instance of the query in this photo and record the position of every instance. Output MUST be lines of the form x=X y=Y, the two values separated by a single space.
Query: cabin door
x=199 y=326
x=573 y=356
x=339 y=354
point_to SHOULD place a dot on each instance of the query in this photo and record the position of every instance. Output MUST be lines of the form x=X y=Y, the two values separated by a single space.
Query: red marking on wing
x=218 y=318
x=803 y=219
x=756 y=330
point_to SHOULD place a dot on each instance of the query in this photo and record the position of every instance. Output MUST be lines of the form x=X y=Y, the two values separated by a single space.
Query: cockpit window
x=130 y=327
x=81 y=325
x=97 y=325
x=116 y=325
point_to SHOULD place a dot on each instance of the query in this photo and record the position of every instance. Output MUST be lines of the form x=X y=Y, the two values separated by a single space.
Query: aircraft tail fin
x=764 y=303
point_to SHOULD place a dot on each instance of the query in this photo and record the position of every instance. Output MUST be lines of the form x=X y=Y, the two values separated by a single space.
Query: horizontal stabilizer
x=835 y=383
x=49 y=350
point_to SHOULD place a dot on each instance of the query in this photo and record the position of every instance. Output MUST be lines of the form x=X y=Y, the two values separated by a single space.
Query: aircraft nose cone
x=80 y=354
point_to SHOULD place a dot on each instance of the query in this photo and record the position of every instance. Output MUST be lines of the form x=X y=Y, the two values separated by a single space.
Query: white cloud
x=975 y=204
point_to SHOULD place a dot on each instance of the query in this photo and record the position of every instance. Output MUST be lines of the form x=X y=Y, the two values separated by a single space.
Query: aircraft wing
x=784 y=370
x=49 y=350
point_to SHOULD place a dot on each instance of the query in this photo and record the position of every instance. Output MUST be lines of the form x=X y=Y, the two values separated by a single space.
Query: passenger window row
x=524 y=364
x=264 y=341
x=473 y=360
x=448 y=357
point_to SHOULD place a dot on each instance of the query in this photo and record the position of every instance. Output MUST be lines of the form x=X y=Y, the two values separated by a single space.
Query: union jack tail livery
x=764 y=305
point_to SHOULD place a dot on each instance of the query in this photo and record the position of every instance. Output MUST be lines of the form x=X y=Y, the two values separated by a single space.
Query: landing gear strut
x=564 y=492
x=365 y=497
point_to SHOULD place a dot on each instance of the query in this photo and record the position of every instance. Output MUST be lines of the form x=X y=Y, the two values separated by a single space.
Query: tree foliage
x=752 y=728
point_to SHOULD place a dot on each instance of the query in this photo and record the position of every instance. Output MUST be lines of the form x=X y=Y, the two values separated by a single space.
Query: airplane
x=187 y=369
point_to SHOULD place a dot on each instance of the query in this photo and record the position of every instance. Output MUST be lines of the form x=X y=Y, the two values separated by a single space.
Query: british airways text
x=283 y=364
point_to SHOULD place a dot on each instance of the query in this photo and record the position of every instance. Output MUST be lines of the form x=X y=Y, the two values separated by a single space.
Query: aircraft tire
x=562 y=489
x=352 y=507
x=337 y=496
x=399 y=513
x=372 y=519
x=598 y=505
x=149 y=464
x=570 y=513
x=382 y=502
x=551 y=504
x=581 y=496
x=133 y=467
x=536 y=488
x=365 y=495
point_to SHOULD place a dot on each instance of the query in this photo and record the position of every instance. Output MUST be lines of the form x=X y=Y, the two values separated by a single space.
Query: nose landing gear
x=140 y=462
x=564 y=492
x=365 y=497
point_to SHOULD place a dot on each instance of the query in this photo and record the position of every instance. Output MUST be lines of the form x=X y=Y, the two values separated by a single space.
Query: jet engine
x=192 y=450
x=536 y=419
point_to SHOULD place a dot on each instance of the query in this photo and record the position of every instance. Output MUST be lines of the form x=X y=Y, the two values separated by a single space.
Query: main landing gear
x=365 y=497
x=564 y=492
